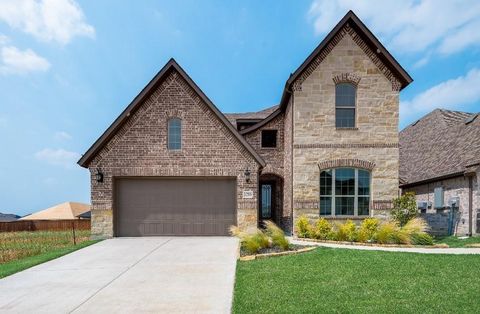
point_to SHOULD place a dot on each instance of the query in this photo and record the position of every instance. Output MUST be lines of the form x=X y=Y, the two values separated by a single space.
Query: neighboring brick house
x=173 y=164
x=440 y=163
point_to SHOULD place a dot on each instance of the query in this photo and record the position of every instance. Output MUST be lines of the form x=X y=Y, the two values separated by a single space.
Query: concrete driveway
x=130 y=275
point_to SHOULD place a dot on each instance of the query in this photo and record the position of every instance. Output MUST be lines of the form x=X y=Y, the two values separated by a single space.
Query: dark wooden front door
x=267 y=191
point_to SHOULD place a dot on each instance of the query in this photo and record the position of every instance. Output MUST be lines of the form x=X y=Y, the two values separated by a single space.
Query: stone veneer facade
x=139 y=148
x=372 y=144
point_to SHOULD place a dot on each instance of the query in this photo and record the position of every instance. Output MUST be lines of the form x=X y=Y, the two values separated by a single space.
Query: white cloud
x=16 y=61
x=408 y=26
x=451 y=94
x=62 y=136
x=58 y=157
x=47 y=20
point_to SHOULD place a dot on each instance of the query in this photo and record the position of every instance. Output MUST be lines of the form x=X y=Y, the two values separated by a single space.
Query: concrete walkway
x=392 y=249
x=129 y=275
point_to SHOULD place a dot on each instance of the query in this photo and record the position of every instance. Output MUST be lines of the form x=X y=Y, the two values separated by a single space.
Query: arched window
x=345 y=94
x=175 y=133
x=344 y=192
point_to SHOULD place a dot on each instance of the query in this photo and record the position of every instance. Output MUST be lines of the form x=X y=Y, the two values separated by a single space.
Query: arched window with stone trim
x=174 y=134
x=345 y=192
x=345 y=103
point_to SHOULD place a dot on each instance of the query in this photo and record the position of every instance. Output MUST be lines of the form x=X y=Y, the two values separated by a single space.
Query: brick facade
x=139 y=148
x=453 y=187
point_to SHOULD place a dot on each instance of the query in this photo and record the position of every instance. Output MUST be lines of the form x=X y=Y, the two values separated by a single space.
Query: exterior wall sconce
x=247 y=175
x=99 y=176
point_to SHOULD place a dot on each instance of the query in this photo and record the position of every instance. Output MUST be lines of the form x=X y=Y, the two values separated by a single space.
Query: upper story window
x=269 y=138
x=175 y=133
x=345 y=97
x=344 y=192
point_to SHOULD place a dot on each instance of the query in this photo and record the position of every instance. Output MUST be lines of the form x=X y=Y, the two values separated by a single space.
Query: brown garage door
x=168 y=206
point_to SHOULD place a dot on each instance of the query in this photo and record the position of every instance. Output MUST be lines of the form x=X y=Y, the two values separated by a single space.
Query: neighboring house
x=440 y=162
x=64 y=211
x=173 y=164
x=8 y=217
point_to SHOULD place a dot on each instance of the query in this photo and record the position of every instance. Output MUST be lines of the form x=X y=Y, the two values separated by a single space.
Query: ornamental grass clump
x=416 y=229
x=276 y=235
x=303 y=227
x=323 y=230
x=388 y=233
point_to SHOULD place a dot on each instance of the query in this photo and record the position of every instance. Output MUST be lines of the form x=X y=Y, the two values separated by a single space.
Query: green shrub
x=404 y=208
x=388 y=233
x=347 y=232
x=368 y=230
x=422 y=239
x=277 y=235
x=303 y=227
x=322 y=229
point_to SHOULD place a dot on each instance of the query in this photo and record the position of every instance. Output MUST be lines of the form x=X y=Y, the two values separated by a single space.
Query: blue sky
x=68 y=68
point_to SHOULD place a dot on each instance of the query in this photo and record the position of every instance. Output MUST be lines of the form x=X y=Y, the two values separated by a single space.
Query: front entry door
x=266 y=208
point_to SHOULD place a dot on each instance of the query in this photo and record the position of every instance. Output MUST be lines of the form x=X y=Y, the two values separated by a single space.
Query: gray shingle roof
x=439 y=144
x=233 y=117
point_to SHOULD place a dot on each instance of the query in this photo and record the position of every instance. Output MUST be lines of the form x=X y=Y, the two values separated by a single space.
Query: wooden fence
x=45 y=225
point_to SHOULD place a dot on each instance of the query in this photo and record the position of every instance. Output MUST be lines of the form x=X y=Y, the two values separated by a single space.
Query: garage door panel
x=163 y=206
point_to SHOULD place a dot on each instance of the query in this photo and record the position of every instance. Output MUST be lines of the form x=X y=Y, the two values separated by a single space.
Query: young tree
x=404 y=208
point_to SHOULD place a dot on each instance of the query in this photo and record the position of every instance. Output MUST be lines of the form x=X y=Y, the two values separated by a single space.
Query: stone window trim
x=351 y=78
x=346 y=163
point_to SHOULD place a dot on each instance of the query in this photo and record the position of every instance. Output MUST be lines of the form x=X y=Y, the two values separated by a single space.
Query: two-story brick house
x=173 y=164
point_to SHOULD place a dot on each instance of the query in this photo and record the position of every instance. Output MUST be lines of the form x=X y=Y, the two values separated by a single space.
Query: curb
x=266 y=255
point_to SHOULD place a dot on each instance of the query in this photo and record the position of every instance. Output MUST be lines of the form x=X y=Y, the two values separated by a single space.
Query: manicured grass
x=356 y=281
x=453 y=241
x=21 y=250
x=15 y=266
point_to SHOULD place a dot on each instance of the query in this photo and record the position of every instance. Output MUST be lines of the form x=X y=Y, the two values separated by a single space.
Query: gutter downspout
x=291 y=160
x=470 y=206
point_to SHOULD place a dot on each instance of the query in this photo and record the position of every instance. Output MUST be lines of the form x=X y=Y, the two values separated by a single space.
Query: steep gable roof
x=140 y=98
x=443 y=143
x=367 y=37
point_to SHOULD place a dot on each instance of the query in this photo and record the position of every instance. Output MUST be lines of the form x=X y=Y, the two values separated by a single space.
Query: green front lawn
x=356 y=281
x=453 y=241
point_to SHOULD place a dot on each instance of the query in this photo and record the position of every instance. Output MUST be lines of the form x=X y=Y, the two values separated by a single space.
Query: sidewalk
x=391 y=249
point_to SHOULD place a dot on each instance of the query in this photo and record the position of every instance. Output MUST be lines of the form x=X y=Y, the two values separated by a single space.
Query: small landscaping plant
x=323 y=230
x=303 y=227
x=347 y=231
x=368 y=230
x=404 y=208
